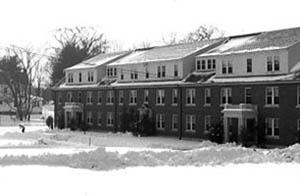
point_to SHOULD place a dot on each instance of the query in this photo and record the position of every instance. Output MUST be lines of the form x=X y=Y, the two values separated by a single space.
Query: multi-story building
x=239 y=80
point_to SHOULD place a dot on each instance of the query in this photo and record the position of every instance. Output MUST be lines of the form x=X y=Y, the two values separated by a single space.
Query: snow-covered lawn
x=31 y=128
x=233 y=180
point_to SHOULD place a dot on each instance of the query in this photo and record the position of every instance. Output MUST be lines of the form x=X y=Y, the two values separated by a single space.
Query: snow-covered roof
x=164 y=53
x=270 y=78
x=271 y=40
x=98 y=60
x=152 y=83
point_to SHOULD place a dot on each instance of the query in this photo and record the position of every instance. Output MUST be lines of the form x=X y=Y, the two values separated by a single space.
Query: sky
x=32 y=23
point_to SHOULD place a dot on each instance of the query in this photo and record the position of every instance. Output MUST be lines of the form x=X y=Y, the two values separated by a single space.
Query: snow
x=16 y=142
x=129 y=84
x=124 y=150
x=29 y=128
x=241 y=179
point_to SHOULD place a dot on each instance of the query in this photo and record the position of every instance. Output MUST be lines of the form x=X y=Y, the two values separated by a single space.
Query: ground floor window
x=190 y=123
x=110 y=119
x=89 y=118
x=207 y=123
x=99 y=119
x=160 y=121
x=174 y=122
x=272 y=127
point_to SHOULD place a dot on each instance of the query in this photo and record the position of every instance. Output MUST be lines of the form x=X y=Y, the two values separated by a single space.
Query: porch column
x=225 y=126
x=65 y=118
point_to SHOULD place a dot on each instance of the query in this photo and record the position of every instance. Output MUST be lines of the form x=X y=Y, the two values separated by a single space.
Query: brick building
x=240 y=81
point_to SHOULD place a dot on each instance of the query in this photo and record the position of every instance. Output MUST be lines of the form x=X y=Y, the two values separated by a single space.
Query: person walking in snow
x=22 y=127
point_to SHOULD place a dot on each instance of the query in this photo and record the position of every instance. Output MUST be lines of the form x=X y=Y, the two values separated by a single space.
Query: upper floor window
x=161 y=71
x=207 y=96
x=190 y=123
x=89 y=97
x=273 y=63
x=90 y=76
x=121 y=97
x=214 y=63
x=111 y=72
x=160 y=97
x=70 y=97
x=176 y=70
x=110 y=97
x=272 y=127
x=226 y=96
x=272 y=96
x=99 y=97
x=122 y=74
x=70 y=78
x=208 y=64
x=174 y=96
x=190 y=96
x=203 y=64
x=227 y=67
x=248 y=95
x=146 y=96
x=158 y=72
x=249 y=65
x=134 y=74
x=80 y=77
x=79 y=97
x=115 y=71
x=132 y=97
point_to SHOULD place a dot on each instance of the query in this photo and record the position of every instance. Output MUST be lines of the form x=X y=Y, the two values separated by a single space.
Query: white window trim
x=161 y=94
x=273 y=136
x=160 y=118
x=173 y=90
x=189 y=120
x=273 y=96
x=227 y=90
x=133 y=95
x=173 y=117
x=90 y=118
x=89 y=96
x=109 y=121
x=190 y=93
x=110 y=97
x=205 y=96
x=245 y=94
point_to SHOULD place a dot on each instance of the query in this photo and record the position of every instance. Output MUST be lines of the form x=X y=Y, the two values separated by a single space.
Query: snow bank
x=234 y=180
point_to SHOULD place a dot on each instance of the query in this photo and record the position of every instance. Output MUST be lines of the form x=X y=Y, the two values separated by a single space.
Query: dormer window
x=273 y=63
x=175 y=70
x=163 y=71
x=90 y=76
x=122 y=74
x=209 y=64
x=158 y=72
x=203 y=64
x=249 y=65
x=214 y=63
x=198 y=64
x=227 y=67
x=70 y=77
x=147 y=73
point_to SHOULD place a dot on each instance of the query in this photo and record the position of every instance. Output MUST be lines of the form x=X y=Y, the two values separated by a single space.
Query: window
x=90 y=76
x=99 y=97
x=227 y=67
x=147 y=73
x=110 y=97
x=79 y=97
x=198 y=64
x=298 y=125
x=160 y=121
x=174 y=122
x=163 y=71
x=99 y=117
x=248 y=95
x=273 y=60
x=176 y=70
x=115 y=71
x=132 y=97
x=272 y=127
x=207 y=96
x=80 y=77
x=70 y=97
x=298 y=95
x=174 y=96
x=276 y=63
x=214 y=63
x=272 y=96
x=209 y=64
x=122 y=74
x=136 y=74
x=226 y=96
x=249 y=65
x=190 y=96
x=224 y=68
x=190 y=123
x=89 y=118
x=89 y=98
x=70 y=77
x=121 y=97
x=146 y=96
x=203 y=64
x=160 y=97
x=158 y=72
x=132 y=74
x=269 y=63
x=110 y=119
x=207 y=123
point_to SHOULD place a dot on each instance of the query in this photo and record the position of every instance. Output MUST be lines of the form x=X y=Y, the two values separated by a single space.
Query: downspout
x=115 y=110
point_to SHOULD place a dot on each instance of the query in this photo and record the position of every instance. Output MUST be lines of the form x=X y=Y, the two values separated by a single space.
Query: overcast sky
x=130 y=22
